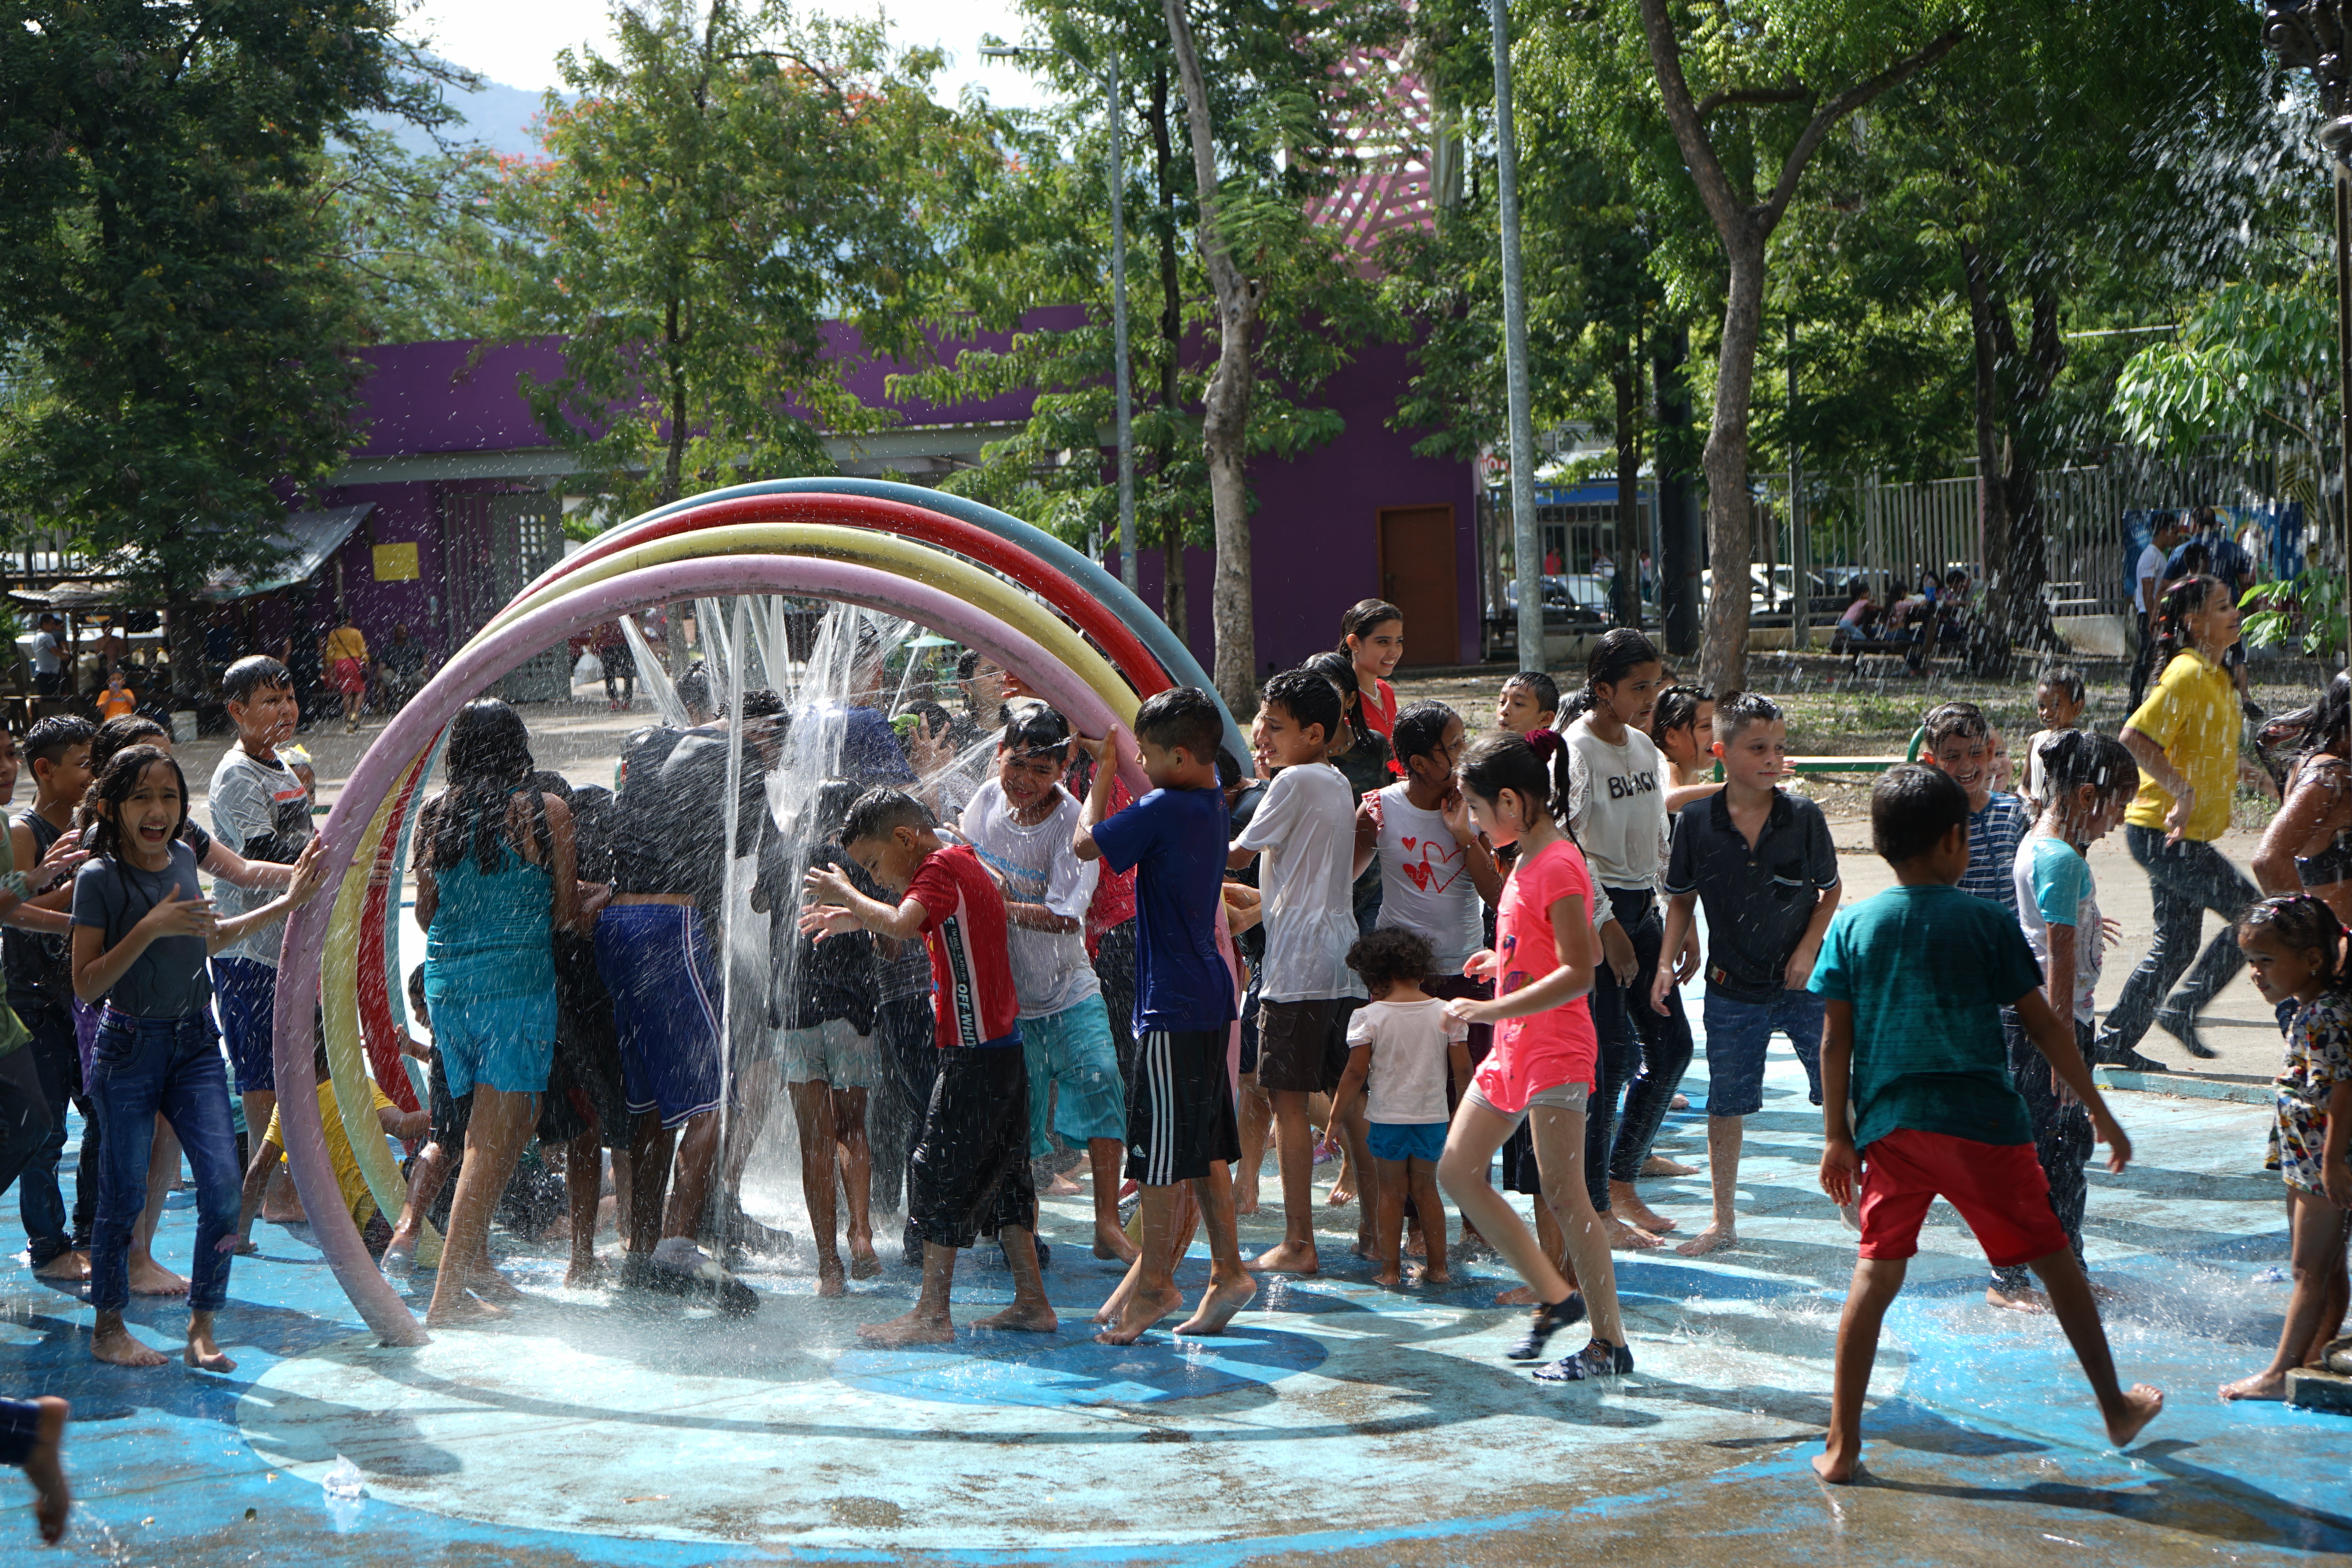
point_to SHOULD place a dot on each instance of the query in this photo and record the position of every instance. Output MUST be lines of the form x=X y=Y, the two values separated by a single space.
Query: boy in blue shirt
x=1181 y=1126
x=1915 y=980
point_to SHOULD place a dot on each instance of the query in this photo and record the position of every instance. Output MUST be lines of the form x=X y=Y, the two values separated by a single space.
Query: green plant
x=2305 y=613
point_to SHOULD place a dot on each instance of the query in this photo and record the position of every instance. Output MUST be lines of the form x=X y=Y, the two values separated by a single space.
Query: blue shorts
x=1737 y=1034
x=1072 y=1051
x=491 y=1042
x=657 y=964
x=246 y=993
x=1403 y=1141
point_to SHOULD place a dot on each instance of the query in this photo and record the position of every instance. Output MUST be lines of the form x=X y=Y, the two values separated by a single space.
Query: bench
x=1817 y=765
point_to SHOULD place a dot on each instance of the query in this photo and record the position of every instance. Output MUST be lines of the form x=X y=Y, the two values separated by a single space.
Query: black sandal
x=1549 y=1318
x=1599 y=1359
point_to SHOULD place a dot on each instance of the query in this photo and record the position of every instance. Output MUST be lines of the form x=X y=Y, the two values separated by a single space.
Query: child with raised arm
x=142 y=928
x=1181 y=1126
x=1400 y=1045
x=1683 y=727
x=969 y=1175
x=1761 y=862
x=1914 y=981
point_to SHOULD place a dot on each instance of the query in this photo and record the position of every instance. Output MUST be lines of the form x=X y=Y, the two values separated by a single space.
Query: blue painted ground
x=1338 y=1420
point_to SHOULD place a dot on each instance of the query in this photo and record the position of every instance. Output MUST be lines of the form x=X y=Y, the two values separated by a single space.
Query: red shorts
x=350 y=676
x=1998 y=1188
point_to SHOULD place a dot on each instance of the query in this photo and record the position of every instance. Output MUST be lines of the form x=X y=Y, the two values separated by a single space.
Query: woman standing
x=495 y=869
x=2308 y=848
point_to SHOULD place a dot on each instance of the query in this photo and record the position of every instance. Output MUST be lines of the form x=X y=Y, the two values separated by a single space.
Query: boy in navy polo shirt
x=1761 y=861
x=1181 y=1126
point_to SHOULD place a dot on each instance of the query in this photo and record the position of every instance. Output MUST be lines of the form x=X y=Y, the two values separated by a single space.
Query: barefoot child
x=141 y=930
x=1180 y=1131
x=1528 y=701
x=375 y=1232
x=1914 y=980
x=40 y=992
x=1401 y=1044
x=31 y=1431
x=1760 y=859
x=2091 y=779
x=969 y=1175
x=2294 y=947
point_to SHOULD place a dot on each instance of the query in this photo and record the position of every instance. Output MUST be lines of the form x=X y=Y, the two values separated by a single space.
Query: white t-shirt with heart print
x=1425 y=884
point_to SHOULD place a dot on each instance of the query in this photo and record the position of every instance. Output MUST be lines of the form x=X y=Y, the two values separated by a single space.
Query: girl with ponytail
x=1371 y=636
x=2308 y=846
x=2297 y=948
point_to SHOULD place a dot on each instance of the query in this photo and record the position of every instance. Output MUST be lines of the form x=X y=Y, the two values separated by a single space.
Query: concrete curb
x=2186 y=1088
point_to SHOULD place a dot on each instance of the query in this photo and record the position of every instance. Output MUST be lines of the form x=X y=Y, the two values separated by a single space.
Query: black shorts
x=448 y=1115
x=1181 y=1120
x=969 y=1175
x=1303 y=1046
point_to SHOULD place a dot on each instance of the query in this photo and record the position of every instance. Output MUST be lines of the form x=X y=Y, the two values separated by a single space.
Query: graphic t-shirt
x=1050 y=971
x=168 y=979
x=261 y=811
x=1615 y=807
x=2054 y=888
x=971 y=973
x=1556 y=1046
x=1409 y=1041
x=1175 y=841
x=1425 y=883
x=1306 y=830
x=2193 y=715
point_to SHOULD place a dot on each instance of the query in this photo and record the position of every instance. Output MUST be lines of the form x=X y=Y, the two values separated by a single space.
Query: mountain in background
x=498 y=117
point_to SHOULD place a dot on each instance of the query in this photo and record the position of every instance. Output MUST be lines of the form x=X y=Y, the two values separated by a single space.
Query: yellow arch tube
x=903 y=558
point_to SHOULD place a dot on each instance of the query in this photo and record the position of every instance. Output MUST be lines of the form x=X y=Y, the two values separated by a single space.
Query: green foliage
x=2255 y=360
x=2305 y=613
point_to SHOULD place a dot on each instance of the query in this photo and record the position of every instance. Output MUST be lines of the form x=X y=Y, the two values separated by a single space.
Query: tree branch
x=1715 y=187
x=1795 y=93
x=1841 y=106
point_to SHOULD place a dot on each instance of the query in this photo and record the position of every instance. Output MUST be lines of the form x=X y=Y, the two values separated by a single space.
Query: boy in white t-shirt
x=1403 y=1043
x=1307 y=827
x=1022 y=822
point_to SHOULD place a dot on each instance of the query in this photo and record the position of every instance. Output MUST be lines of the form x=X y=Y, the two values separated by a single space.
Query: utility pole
x=1527 y=551
x=1801 y=553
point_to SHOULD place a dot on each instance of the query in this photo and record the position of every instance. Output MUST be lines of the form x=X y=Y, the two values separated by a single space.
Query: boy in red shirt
x=969 y=1175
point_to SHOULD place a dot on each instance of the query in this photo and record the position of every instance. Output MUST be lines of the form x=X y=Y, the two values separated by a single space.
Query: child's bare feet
x=1289 y=1258
x=492 y=1285
x=2264 y=1385
x=864 y=1265
x=148 y=1278
x=829 y=1280
x=1625 y=1201
x=1245 y=1198
x=1061 y=1187
x=466 y=1309
x=1414 y=1246
x=1341 y=1193
x=113 y=1344
x=1713 y=1239
x=1111 y=1243
x=1518 y=1296
x=1432 y=1275
x=202 y=1352
x=585 y=1271
x=2022 y=1301
x=1218 y=1305
x=1388 y=1277
x=1838 y=1466
x=1623 y=1237
x=915 y=1328
x=2140 y=1405
x=65 y=1266
x=1021 y=1318
x=1659 y=1166
x=1141 y=1309
x=1109 y=1311
x=53 y=1498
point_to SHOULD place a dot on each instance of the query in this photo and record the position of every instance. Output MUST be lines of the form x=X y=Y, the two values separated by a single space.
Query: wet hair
x=1911 y=807
x=1340 y=671
x=417 y=1007
x=762 y=702
x=2065 y=678
x=1617 y=655
x=2305 y=923
x=1541 y=687
x=1388 y=955
x=1735 y=711
x=49 y=740
x=1955 y=721
x=1229 y=772
x=1421 y=730
x=1182 y=716
x=1309 y=698
x=113 y=788
x=882 y=811
x=968 y=664
x=251 y=674
x=1523 y=763
x=829 y=808
x=694 y=687
x=928 y=714
x=127 y=730
x=1034 y=729
x=2182 y=597
x=2324 y=726
x=1677 y=708
x=547 y=781
x=2073 y=758
x=488 y=757
x=1361 y=619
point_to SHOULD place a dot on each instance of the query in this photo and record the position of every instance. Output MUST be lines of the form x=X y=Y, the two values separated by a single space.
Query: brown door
x=1417 y=577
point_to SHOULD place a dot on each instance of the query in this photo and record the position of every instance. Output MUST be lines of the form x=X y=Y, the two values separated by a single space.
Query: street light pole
x=1527 y=551
x=1111 y=127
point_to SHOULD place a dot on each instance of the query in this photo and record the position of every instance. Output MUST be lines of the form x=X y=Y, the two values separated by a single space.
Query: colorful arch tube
x=361 y=816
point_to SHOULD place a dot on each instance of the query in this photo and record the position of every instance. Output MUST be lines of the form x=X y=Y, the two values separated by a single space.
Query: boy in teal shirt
x=1914 y=981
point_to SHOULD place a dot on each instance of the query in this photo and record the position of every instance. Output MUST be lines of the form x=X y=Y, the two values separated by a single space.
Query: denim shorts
x=1737 y=1035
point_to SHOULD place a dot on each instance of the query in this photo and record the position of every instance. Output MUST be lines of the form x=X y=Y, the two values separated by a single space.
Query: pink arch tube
x=475 y=667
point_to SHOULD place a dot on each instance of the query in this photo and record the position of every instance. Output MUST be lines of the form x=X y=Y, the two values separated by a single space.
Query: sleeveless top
x=492 y=931
x=2334 y=863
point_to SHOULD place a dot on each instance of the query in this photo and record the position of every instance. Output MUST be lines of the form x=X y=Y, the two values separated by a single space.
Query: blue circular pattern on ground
x=1071 y=1368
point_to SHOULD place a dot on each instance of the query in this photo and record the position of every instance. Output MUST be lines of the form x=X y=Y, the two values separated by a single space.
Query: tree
x=725 y=187
x=176 y=318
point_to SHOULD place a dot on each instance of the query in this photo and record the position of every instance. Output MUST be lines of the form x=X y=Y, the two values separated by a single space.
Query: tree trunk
x=1173 y=608
x=1723 y=654
x=183 y=639
x=2016 y=563
x=1224 y=422
x=1626 y=381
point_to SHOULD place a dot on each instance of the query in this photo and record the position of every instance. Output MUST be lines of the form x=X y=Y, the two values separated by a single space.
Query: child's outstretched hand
x=820 y=920
x=2105 y=1130
x=66 y=852
x=824 y=884
x=1099 y=747
x=307 y=875
x=1840 y=1166
x=1480 y=966
x=1469 y=1010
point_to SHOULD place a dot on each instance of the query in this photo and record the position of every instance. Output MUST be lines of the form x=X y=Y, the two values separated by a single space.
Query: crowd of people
x=1391 y=933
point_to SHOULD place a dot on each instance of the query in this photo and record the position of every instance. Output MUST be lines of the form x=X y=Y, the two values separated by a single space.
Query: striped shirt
x=1994 y=834
x=972 y=965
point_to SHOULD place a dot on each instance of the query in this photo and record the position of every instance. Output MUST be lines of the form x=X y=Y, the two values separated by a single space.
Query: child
x=1025 y=823
x=1181 y=1124
x=1306 y=824
x=261 y=811
x=1914 y=981
x=969 y=1175
x=345 y=655
x=141 y=930
x=1761 y=861
x=1372 y=637
x=1617 y=815
x=2294 y=947
x=1366 y=758
x=1403 y=1043
x=1959 y=742
x=348 y=1181
x=2002 y=771
x=40 y=992
x=1683 y=727
x=1540 y=1070
x=1528 y=701
x=31 y=1433
x=2092 y=778
x=117 y=700
x=2058 y=701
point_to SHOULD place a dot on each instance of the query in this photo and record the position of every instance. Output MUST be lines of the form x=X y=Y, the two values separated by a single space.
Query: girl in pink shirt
x=1540 y=1068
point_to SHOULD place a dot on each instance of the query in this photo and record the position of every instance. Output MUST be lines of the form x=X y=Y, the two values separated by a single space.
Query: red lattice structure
x=1391 y=155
